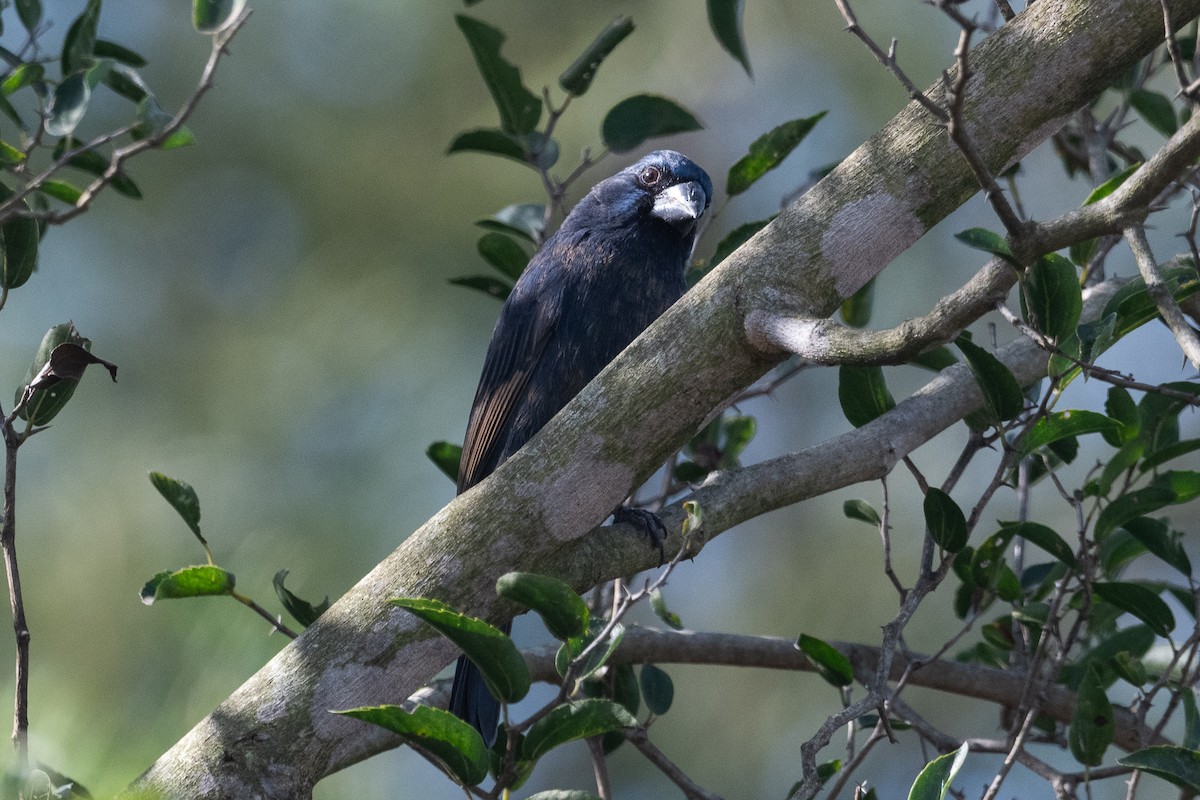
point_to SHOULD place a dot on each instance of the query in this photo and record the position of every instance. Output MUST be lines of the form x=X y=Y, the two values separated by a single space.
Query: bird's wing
x=526 y=324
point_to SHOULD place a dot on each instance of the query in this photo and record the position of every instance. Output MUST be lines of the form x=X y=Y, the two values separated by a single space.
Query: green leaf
x=93 y=163
x=861 y=510
x=570 y=721
x=202 y=581
x=1001 y=392
x=562 y=610
x=10 y=155
x=79 y=44
x=525 y=220
x=119 y=53
x=1156 y=109
x=1081 y=253
x=152 y=121
x=945 y=520
x=738 y=433
x=988 y=242
x=213 y=16
x=856 y=309
x=934 y=780
x=1092 y=728
x=1177 y=765
x=736 y=238
x=1053 y=296
x=1135 y=640
x=725 y=20
x=70 y=99
x=19 y=239
x=1158 y=539
x=49 y=389
x=520 y=109
x=1063 y=424
x=600 y=656
x=183 y=499
x=28 y=74
x=935 y=360
x=126 y=82
x=1044 y=537
x=301 y=610
x=863 y=393
x=61 y=190
x=577 y=78
x=1120 y=406
x=503 y=253
x=1135 y=599
x=501 y=664
x=1168 y=453
x=446 y=457
x=492 y=141
x=1111 y=185
x=486 y=284
x=1191 y=718
x=30 y=12
x=657 y=689
x=1137 y=503
x=768 y=151
x=834 y=667
x=454 y=744
x=644 y=116
x=658 y=604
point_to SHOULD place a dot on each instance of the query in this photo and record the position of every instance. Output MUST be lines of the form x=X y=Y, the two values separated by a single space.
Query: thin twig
x=692 y=790
x=276 y=622
x=8 y=541
x=1172 y=315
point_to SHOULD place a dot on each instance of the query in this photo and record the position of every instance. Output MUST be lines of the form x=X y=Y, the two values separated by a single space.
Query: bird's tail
x=470 y=699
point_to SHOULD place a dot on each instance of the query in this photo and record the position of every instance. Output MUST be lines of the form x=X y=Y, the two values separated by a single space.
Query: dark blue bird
x=616 y=263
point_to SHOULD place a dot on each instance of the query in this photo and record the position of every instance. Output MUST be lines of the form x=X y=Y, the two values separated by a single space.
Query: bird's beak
x=680 y=205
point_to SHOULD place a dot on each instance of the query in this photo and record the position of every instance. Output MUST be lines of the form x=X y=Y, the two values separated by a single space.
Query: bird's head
x=665 y=187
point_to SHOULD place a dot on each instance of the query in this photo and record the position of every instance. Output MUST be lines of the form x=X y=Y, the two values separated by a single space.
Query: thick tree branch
x=274 y=737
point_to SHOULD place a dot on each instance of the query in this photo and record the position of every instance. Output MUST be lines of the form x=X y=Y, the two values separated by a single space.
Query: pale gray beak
x=680 y=205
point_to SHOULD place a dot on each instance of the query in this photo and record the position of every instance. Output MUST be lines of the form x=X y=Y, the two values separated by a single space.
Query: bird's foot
x=648 y=524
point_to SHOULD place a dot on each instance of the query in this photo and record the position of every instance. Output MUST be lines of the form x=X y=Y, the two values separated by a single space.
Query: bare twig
x=1172 y=315
x=8 y=536
x=692 y=790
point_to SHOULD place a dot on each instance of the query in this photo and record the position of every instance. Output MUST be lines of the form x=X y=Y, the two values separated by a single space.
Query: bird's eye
x=650 y=176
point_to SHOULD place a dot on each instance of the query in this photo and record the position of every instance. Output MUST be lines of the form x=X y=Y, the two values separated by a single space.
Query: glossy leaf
x=28 y=74
x=446 y=457
x=856 y=309
x=1135 y=640
x=1063 y=424
x=182 y=497
x=1001 y=392
x=725 y=20
x=644 y=116
x=70 y=99
x=988 y=242
x=500 y=663
x=934 y=780
x=19 y=239
x=834 y=667
x=55 y=372
x=767 y=152
x=1168 y=453
x=125 y=81
x=736 y=238
x=79 y=44
x=153 y=121
x=503 y=253
x=454 y=744
x=213 y=16
x=1191 y=718
x=1054 y=298
x=1158 y=539
x=484 y=283
x=1137 y=503
x=525 y=220
x=562 y=610
x=945 y=520
x=863 y=393
x=1139 y=601
x=577 y=78
x=571 y=721
x=1111 y=185
x=520 y=109
x=1092 y=727
x=1044 y=537
x=1156 y=109
x=489 y=140
x=202 y=581
x=935 y=360
x=301 y=610
x=861 y=510
x=119 y=53
x=658 y=690
x=600 y=656
x=61 y=190
x=1177 y=765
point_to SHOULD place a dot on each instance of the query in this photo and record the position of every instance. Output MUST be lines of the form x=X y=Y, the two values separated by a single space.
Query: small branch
x=692 y=790
x=1172 y=315
x=1185 y=86
x=8 y=541
x=276 y=622
x=595 y=745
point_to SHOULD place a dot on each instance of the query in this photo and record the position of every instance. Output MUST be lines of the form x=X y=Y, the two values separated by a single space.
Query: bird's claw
x=648 y=524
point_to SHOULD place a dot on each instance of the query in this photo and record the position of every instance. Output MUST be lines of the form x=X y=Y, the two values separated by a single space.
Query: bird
x=614 y=265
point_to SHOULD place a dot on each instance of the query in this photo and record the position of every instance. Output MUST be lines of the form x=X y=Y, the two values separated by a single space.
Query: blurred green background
x=289 y=345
